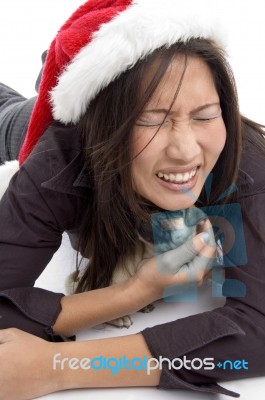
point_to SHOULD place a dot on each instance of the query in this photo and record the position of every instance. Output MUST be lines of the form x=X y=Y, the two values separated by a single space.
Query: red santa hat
x=104 y=38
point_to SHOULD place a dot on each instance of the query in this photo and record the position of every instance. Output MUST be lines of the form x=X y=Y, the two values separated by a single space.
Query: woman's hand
x=26 y=369
x=187 y=263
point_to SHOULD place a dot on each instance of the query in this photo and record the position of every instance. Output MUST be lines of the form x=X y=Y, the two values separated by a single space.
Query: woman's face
x=171 y=171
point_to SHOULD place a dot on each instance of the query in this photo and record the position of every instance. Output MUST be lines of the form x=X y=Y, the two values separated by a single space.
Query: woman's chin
x=178 y=207
x=166 y=204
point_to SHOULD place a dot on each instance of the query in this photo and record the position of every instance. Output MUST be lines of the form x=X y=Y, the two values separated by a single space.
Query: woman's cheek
x=139 y=141
x=218 y=140
x=143 y=140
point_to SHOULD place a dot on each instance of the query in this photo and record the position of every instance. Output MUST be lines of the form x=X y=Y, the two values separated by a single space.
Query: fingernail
x=205 y=237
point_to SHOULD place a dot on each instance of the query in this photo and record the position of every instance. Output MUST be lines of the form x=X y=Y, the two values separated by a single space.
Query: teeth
x=186 y=177
x=178 y=178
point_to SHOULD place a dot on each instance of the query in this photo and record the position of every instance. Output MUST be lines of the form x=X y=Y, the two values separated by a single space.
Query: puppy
x=167 y=231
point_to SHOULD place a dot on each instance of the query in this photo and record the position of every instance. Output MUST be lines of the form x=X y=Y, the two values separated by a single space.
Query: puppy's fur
x=168 y=233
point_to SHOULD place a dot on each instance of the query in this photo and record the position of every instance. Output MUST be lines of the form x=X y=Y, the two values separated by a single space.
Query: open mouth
x=179 y=178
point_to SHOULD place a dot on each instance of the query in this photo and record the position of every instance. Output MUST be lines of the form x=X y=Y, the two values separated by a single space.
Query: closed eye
x=158 y=121
x=151 y=123
x=207 y=118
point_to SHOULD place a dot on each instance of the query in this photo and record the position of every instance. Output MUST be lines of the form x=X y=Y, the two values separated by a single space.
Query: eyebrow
x=197 y=109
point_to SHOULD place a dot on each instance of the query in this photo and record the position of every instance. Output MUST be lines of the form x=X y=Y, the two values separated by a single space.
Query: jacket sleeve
x=32 y=220
x=234 y=332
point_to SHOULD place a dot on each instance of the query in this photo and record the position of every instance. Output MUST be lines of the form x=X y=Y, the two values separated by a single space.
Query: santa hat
x=104 y=38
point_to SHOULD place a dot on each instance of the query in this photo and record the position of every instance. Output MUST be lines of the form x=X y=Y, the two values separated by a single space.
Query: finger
x=210 y=249
x=201 y=264
x=195 y=270
x=173 y=260
x=205 y=259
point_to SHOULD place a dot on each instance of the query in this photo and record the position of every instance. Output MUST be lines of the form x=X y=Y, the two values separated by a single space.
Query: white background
x=26 y=29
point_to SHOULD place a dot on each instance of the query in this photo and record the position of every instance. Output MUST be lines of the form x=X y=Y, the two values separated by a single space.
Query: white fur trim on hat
x=143 y=27
x=7 y=170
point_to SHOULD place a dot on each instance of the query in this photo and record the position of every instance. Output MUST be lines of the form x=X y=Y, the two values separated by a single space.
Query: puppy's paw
x=71 y=283
x=148 y=308
x=123 y=322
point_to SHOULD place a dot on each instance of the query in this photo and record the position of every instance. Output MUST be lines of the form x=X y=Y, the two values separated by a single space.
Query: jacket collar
x=73 y=179
x=83 y=179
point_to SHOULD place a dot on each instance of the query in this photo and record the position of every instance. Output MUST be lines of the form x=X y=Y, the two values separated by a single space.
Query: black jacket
x=49 y=196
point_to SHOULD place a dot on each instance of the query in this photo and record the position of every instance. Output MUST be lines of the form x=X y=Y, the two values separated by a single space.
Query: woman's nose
x=183 y=144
